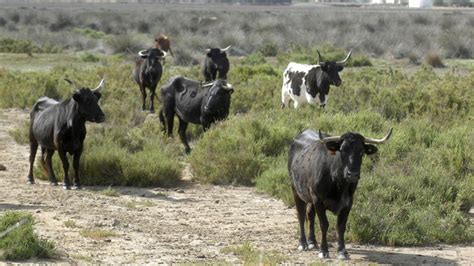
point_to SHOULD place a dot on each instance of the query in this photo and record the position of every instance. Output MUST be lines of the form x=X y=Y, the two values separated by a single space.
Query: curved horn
x=208 y=50
x=228 y=86
x=142 y=53
x=164 y=54
x=72 y=83
x=207 y=84
x=347 y=58
x=100 y=87
x=319 y=57
x=327 y=139
x=225 y=49
x=379 y=141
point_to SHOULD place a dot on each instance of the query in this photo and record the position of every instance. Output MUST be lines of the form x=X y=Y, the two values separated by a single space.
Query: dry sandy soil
x=192 y=223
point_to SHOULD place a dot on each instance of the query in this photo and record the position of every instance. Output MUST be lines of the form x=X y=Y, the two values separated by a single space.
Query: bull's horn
x=207 y=84
x=327 y=139
x=225 y=49
x=208 y=50
x=164 y=54
x=345 y=60
x=72 y=83
x=142 y=53
x=101 y=86
x=379 y=141
x=320 y=58
x=228 y=86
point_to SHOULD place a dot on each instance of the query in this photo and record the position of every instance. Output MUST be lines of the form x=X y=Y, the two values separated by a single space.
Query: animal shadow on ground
x=382 y=257
x=7 y=206
x=150 y=193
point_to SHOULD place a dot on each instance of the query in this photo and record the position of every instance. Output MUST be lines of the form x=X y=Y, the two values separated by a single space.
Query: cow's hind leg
x=64 y=160
x=162 y=120
x=182 y=134
x=301 y=213
x=75 y=165
x=285 y=98
x=43 y=161
x=33 y=149
x=323 y=224
x=49 y=165
x=311 y=236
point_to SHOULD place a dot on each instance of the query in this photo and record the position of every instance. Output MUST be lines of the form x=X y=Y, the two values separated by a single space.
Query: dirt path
x=190 y=224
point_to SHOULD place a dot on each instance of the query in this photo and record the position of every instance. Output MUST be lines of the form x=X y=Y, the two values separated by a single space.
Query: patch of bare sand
x=189 y=224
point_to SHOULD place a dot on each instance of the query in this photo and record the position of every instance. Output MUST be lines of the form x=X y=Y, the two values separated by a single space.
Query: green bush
x=25 y=46
x=22 y=243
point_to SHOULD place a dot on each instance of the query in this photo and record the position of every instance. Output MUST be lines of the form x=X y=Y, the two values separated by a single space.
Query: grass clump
x=71 y=224
x=250 y=256
x=110 y=192
x=97 y=234
x=22 y=243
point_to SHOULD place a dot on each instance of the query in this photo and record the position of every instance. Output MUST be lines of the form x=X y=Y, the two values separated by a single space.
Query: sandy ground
x=192 y=223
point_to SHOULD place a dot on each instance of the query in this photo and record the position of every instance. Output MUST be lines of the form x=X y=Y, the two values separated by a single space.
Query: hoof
x=302 y=248
x=77 y=187
x=152 y=111
x=323 y=255
x=66 y=187
x=343 y=255
x=312 y=245
x=30 y=182
x=53 y=183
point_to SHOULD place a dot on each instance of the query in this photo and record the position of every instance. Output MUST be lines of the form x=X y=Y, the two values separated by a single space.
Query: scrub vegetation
x=416 y=190
x=22 y=242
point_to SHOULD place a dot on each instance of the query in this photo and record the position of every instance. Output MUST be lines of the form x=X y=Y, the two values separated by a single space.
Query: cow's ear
x=333 y=146
x=340 y=68
x=208 y=54
x=370 y=149
x=224 y=54
x=76 y=96
x=98 y=95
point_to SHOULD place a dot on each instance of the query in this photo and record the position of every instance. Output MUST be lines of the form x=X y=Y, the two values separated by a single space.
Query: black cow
x=324 y=173
x=61 y=126
x=147 y=73
x=193 y=103
x=215 y=61
x=303 y=83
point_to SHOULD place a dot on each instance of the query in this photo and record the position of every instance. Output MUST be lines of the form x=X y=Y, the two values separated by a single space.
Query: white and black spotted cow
x=303 y=83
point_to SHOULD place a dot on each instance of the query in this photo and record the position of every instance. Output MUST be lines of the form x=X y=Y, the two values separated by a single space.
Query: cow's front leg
x=75 y=165
x=323 y=224
x=33 y=149
x=152 y=100
x=64 y=160
x=341 y=229
x=143 y=91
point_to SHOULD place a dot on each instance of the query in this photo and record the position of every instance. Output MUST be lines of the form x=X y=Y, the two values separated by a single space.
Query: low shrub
x=22 y=243
x=434 y=60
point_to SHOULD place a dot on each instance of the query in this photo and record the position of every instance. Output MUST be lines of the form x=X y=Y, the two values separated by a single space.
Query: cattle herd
x=324 y=170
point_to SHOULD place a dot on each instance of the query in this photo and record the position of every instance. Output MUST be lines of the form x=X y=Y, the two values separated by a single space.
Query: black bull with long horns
x=147 y=73
x=324 y=173
x=216 y=64
x=61 y=126
x=195 y=103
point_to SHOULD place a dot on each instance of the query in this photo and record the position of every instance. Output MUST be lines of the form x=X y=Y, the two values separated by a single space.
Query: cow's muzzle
x=352 y=177
x=337 y=83
x=99 y=119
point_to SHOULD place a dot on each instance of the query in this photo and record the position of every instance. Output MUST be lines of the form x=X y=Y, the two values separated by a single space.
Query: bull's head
x=352 y=146
x=332 y=68
x=216 y=103
x=218 y=56
x=88 y=102
x=152 y=56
